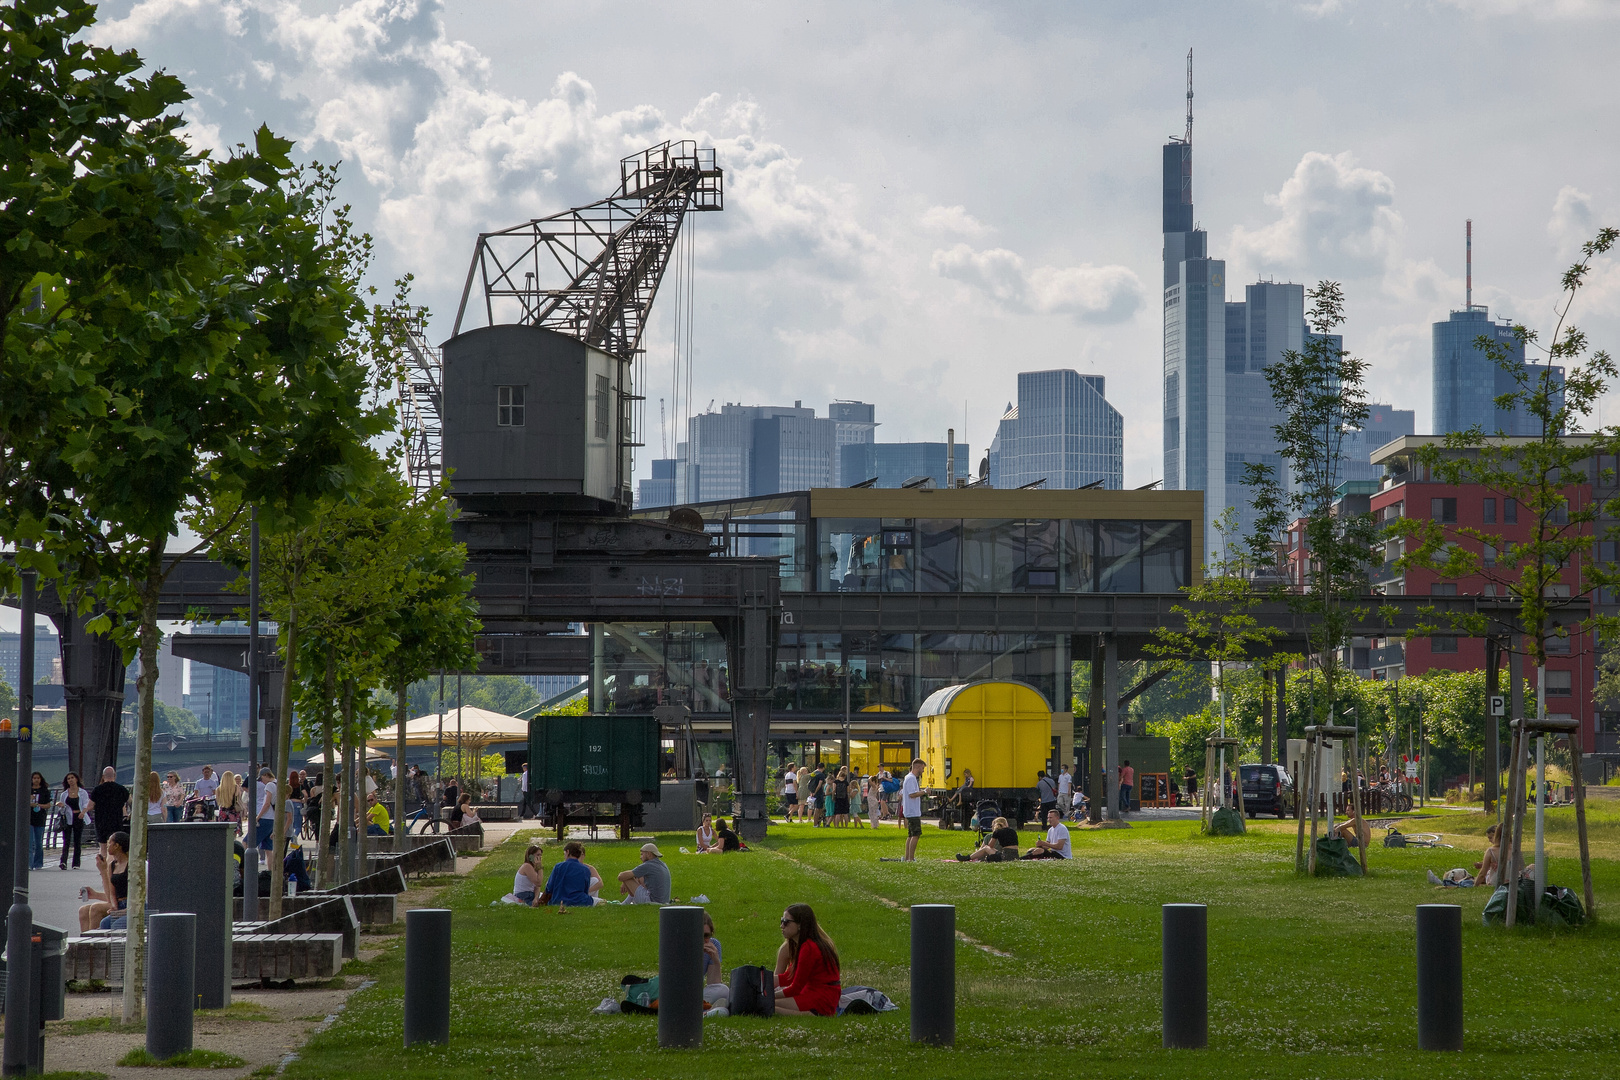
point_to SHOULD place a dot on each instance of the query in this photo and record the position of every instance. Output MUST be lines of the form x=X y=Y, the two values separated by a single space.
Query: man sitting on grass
x=570 y=882
x=1056 y=844
x=648 y=882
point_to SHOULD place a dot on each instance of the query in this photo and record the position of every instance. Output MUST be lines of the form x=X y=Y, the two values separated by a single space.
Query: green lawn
x=1309 y=978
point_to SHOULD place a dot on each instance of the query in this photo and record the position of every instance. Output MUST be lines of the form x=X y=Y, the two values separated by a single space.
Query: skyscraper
x=1062 y=431
x=855 y=424
x=892 y=464
x=659 y=490
x=1218 y=411
x=745 y=450
x=1467 y=382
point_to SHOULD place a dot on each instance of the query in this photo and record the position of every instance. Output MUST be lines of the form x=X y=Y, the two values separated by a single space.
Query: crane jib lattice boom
x=611 y=254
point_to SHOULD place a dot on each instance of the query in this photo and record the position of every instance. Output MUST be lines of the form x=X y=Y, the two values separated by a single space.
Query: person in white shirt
x=266 y=816
x=1065 y=791
x=911 y=808
x=1056 y=844
x=706 y=840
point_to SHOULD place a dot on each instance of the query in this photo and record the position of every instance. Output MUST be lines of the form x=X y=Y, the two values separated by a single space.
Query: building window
x=1443 y=588
x=1510 y=511
x=1490 y=555
x=509 y=406
x=1557 y=644
x=1394 y=510
x=1560 y=514
x=1558 y=684
x=601 y=406
x=1490 y=590
x=1443 y=510
x=1443 y=643
x=1489 y=512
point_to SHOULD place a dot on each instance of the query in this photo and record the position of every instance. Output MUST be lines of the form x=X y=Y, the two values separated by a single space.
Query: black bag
x=1395 y=839
x=753 y=991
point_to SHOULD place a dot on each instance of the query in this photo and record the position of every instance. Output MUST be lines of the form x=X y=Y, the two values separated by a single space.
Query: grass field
x=1308 y=978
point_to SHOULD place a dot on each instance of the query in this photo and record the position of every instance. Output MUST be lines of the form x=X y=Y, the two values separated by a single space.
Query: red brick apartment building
x=1407 y=490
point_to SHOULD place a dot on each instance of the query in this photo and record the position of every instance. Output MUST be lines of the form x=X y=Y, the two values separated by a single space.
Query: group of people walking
x=837 y=798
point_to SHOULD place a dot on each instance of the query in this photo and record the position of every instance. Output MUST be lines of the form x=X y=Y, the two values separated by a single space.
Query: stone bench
x=466 y=838
x=334 y=915
x=391 y=880
x=423 y=859
x=100 y=955
x=372 y=909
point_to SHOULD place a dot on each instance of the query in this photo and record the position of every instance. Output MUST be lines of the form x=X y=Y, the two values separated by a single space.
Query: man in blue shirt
x=570 y=881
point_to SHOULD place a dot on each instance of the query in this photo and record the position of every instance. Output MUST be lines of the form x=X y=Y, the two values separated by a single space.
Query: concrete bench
x=371 y=909
x=335 y=915
x=391 y=880
x=492 y=812
x=100 y=955
x=466 y=838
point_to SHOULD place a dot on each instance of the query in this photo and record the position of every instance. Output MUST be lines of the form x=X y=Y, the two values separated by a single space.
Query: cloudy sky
x=925 y=198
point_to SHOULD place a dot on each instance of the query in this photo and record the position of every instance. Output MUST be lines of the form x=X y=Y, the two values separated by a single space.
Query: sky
x=923 y=199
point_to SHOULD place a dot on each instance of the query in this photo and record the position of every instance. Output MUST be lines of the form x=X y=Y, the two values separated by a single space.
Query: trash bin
x=51 y=944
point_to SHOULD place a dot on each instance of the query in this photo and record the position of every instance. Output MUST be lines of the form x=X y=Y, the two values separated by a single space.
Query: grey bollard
x=933 y=974
x=680 y=976
x=427 y=976
x=171 y=983
x=1439 y=977
x=1185 y=999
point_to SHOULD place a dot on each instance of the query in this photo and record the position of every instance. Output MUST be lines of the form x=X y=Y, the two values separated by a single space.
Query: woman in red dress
x=809 y=982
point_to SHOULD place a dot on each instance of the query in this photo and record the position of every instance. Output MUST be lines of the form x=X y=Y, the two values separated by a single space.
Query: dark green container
x=594 y=755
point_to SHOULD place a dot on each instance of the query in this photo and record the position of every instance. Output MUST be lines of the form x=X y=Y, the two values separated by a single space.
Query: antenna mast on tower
x=1468 y=295
x=1188 y=138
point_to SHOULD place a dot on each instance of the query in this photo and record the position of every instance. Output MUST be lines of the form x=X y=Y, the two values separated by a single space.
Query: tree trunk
x=353 y=782
x=329 y=786
x=278 y=845
x=362 y=862
x=146 y=687
x=399 y=770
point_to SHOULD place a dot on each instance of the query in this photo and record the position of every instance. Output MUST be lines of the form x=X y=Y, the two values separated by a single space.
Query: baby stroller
x=984 y=814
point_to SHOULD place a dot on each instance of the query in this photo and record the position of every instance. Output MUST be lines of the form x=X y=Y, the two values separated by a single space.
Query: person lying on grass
x=807 y=978
x=1002 y=845
x=1056 y=844
x=573 y=883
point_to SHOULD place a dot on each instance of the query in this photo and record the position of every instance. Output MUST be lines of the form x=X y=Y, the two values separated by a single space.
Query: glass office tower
x=1467 y=382
x=1062 y=431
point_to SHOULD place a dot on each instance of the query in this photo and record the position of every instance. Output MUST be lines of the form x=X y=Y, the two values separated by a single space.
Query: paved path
x=54 y=894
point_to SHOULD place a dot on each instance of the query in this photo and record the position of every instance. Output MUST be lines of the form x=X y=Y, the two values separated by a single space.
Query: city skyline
x=899 y=237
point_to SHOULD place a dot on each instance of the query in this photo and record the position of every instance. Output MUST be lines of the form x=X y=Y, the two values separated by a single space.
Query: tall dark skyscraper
x=1218 y=414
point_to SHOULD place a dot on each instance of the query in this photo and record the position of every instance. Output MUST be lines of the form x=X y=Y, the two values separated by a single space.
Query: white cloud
x=1100 y=294
x=954 y=220
x=1573 y=221
x=1336 y=219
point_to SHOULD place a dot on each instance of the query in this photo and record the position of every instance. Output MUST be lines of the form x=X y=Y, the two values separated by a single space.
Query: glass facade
x=1467 y=382
x=1063 y=431
x=1001 y=555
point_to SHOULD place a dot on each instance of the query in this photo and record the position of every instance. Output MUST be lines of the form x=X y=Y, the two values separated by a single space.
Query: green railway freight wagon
x=579 y=764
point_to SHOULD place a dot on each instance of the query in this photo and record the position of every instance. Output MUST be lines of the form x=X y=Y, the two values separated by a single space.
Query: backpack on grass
x=753 y=991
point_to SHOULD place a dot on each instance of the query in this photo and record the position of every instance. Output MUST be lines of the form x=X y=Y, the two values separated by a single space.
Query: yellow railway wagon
x=1002 y=730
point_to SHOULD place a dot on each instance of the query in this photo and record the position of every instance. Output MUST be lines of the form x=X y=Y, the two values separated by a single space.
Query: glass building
x=1062 y=431
x=924 y=550
x=892 y=464
x=1467 y=382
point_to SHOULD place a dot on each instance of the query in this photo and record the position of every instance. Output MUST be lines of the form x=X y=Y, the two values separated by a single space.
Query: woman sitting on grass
x=530 y=880
x=1000 y=846
x=807 y=977
x=706 y=839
